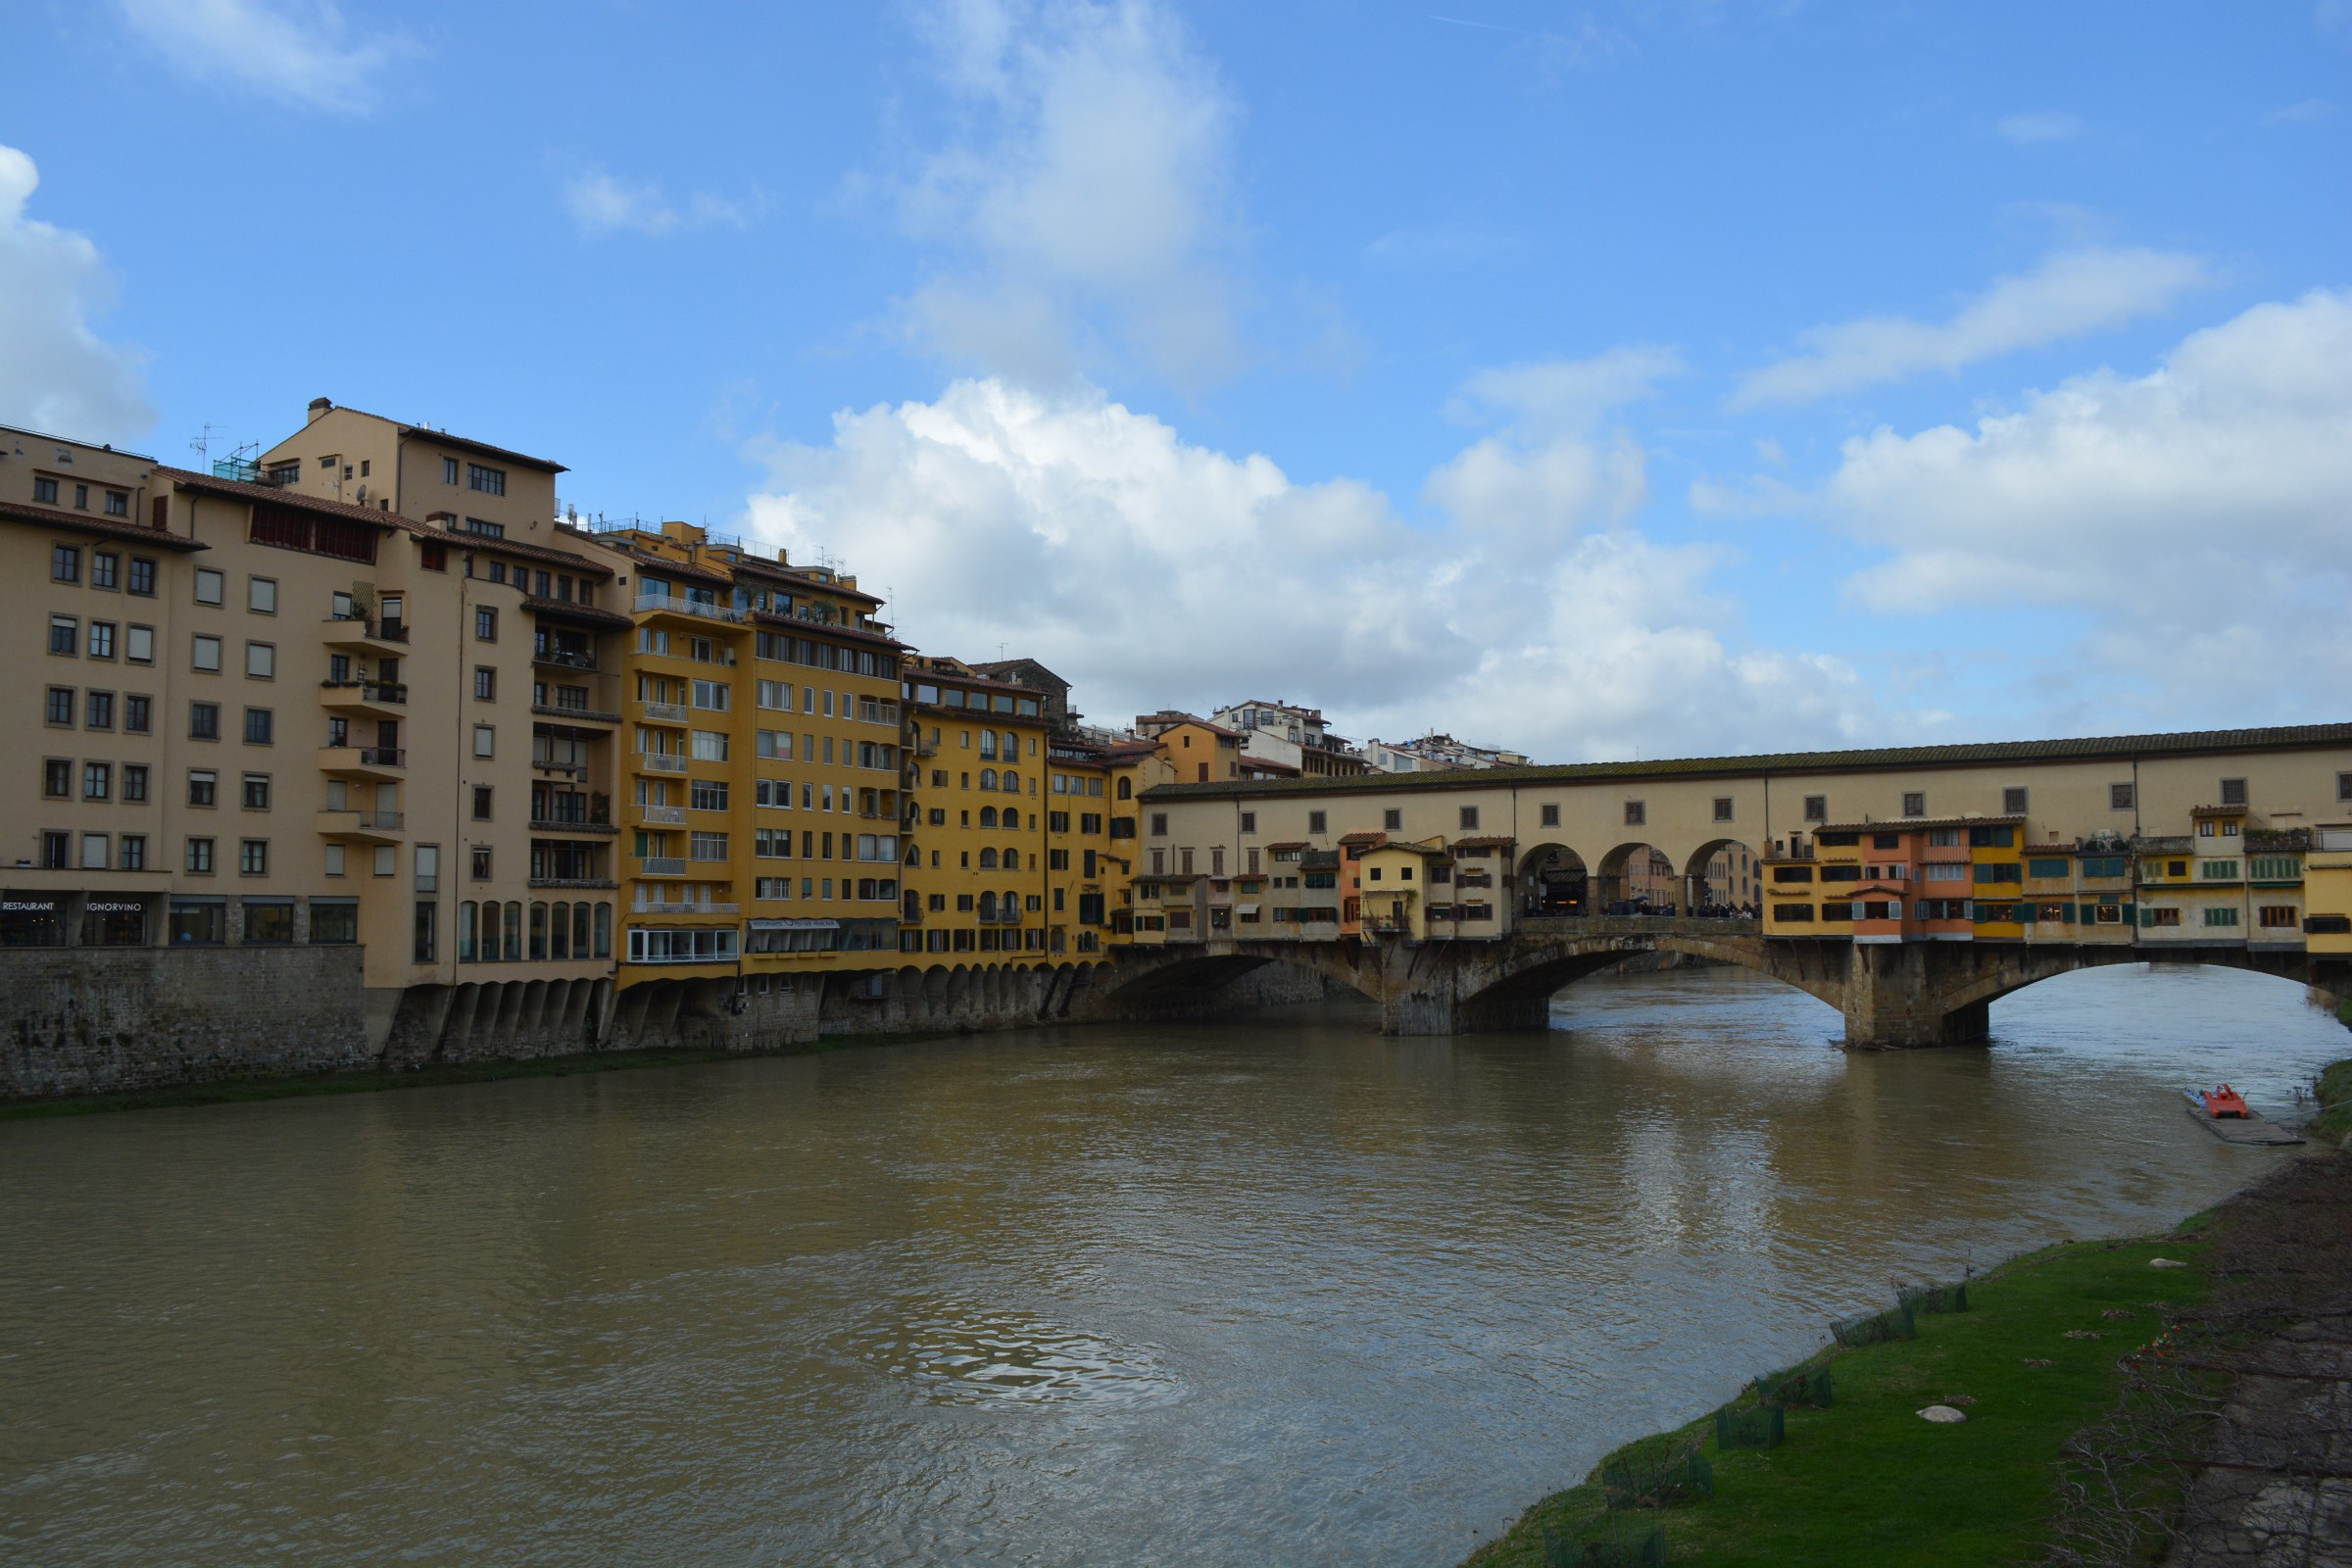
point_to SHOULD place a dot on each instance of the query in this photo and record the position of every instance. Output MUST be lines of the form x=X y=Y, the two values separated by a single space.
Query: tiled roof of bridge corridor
x=1984 y=754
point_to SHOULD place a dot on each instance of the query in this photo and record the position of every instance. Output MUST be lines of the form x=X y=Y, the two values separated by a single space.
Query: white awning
x=795 y=925
x=1249 y=912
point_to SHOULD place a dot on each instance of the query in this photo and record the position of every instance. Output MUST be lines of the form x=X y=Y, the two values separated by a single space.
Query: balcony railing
x=683 y=907
x=589 y=715
x=660 y=866
x=648 y=604
x=386 y=631
x=671 y=815
x=382 y=757
x=593 y=882
x=661 y=761
x=570 y=824
x=663 y=712
x=564 y=658
x=380 y=821
x=391 y=693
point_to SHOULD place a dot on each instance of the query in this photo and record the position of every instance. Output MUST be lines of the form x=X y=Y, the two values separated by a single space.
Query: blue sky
x=1591 y=380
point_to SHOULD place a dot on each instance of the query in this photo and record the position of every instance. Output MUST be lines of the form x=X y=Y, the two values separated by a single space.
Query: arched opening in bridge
x=1724 y=878
x=1552 y=881
x=1637 y=879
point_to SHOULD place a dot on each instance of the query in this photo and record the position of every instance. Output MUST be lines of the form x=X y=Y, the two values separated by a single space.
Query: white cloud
x=601 y=204
x=2304 y=112
x=56 y=374
x=2038 y=127
x=2068 y=296
x=2196 y=514
x=1083 y=203
x=1075 y=530
x=301 y=53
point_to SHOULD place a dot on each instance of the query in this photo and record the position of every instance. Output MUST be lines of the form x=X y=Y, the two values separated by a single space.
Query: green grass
x=241 y=1091
x=1867 y=1481
x=2334 y=1124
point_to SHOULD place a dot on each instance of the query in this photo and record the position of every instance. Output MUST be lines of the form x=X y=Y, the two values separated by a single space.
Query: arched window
x=1012 y=781
x=987 y=817
x=538 y=931
x=914 y=856
x=558 y=931
x=988 y=778
x=988 y=906
x=1012 y=746
x=466 y=919
x=988 y=743
x=987 y=859
x=1126 y=789
x=604 y=930
x=511 y=949
x=580 y=930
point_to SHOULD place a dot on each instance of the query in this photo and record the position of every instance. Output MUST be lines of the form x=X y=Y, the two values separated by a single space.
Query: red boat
x=2224 y=1102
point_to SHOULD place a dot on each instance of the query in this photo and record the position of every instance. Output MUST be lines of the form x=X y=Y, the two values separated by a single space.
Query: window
x=2343 y=786
x=139 y=644
x=427 y=932
x=1159 y=824
x=210 y=585
x=2277 y=917
x=96 y=853
x=1316 y=822
x=259 y=725
x=334 y=921
x=64 y=561
x=56 y=850
x=1636 y=813
x=135 y=781
x=205 y=654
x=1392 y=820
x=142 y=577
x=204 y=721
x=485 y=623
x=485 y=740
x=2013 y=801
x=2234 y=792
x=98 y=711
x=2216 y=915
x=257 y=792
x=1915 y=803
x=200 y=856
x=65 y=635
x=202 y=785
x=1249 y=820
x=252 y=856
x=489 y=482
x=1550 y=816
x=710 y=746
x=449 y=470
x=261 y=595
x=106 y=570
x=134 y=853
x=59 y=707
x=97 y=781
x=57 y=777
x=261 y=660
x=118 y=503
x=1469 y=818
x=2118 y=797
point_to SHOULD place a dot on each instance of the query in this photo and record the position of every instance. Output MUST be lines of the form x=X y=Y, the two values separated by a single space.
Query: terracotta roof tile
x=101 y=527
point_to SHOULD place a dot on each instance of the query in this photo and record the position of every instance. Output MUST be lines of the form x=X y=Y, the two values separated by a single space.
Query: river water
x=1279 y=1292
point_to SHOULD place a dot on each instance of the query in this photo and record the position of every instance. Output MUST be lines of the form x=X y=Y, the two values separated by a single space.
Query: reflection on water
x=1282 y=1291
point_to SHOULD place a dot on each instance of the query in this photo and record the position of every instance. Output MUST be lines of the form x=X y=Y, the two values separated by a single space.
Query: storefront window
x=334 y=921
x=267 y=922
x=198 y=922
x=32 y=920
x=114 y=922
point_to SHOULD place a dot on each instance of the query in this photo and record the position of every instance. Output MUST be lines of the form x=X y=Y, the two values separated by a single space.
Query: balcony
x=364 y=762
x=560 y=825
x=603 y=883
x=683 y=907
x=663 y=712
x=662 y=815
x=574 y=716
x=366 y=633
x=660 y=762
x=671 y=604
x=564 y=658
x=372 y=698
x=660 y=866
x=374 y=827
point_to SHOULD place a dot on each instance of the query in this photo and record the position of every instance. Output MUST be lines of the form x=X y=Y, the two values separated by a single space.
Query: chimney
x=319 y=406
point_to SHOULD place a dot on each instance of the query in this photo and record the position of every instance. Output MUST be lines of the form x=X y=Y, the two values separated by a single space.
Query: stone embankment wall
x=96 y=1021
x=89 y=1020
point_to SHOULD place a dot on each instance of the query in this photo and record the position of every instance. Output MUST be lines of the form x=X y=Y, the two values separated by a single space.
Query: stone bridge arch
x=1517 y=994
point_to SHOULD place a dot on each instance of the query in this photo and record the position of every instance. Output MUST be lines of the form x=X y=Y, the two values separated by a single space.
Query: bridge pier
x=1897 y=996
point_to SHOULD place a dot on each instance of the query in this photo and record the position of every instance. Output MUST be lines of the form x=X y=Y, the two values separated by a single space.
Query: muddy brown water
x=1275 y=1291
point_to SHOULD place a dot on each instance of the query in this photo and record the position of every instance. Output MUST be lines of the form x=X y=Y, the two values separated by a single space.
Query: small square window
x=449 y=470
x=485 y=741
x=485 y=623
x=205 y=654
x=138 y=644
x=65 y=635
x=106 y=570
x=261 y=595
x=1817 y=808
x=64 y=561
x=1915 y=803
x=135 y=781
x=1316 y=822
x=97 y=781
x=261 y=660
x=1159 y=824
x=1723 y=808
x=1392 y=819
x=45 y=491
x=1636 y=813
x=1549 y=814
x=98 y=711
x=118 y=503
x=59 y=707
x=485 y=684
x=203 y=783
x=2013 y=801
x=481 y=803
x=257 y=792
x=260 y=726
x=134 y=853
x=2118 y=797
x=57 y=777
x=252 y=856
x=95 y=852
x=1249 y=824
x=2343 y=786
x=142 y=577
x=102 y=639
x=1469 y=818
x=204 y=721
x=200 y=856
x=211 y=584
x=482 y=863
x=2234 y=792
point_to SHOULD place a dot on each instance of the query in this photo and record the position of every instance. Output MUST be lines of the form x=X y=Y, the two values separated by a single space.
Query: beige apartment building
x=269 y=715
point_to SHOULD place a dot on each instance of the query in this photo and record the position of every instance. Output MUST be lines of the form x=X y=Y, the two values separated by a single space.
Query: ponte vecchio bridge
x=1908 y=887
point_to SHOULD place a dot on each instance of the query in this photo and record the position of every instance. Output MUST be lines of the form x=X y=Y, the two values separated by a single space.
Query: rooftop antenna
x=202 y=444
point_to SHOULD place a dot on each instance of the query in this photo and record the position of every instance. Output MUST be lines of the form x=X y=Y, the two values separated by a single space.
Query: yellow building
x=976 y=859
x=2327 y=890
x=761 y=812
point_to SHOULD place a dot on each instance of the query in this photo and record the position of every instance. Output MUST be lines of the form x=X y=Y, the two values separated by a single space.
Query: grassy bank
x=1867 y=1480
x=2334 y=1124
x=241 y=1091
